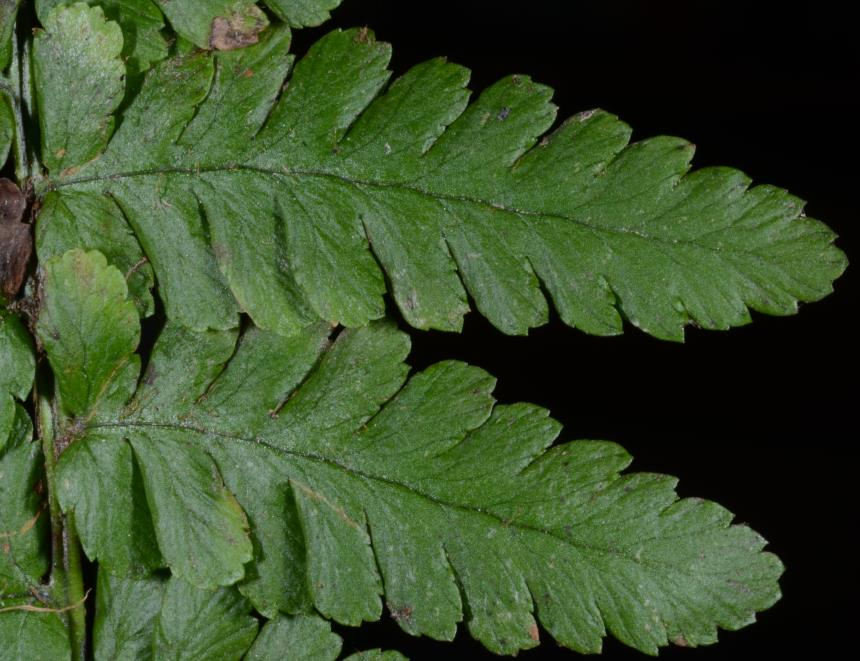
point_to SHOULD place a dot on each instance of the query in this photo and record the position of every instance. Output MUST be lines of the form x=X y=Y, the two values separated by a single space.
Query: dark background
x=761 y=418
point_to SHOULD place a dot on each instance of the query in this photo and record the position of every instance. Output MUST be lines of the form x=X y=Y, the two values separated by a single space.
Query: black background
x=761 y=418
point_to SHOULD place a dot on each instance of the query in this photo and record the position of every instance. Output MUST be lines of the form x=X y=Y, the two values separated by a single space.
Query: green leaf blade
x=16 y=356
x=302 y=637
x=126 y=614
x=23 y=528
x=85 y=308
x=92 y=222
x=7 y=128
x=235 y=24
x=290 y=463
x=158 y=617
x=79 y=49
x=201 y=528
x=8 y=14
x=141 y=22
x=167 y=218
x=122 y=536
x=353 y=185
x=359 y=484
x=28 y=636
x=207 y=23
x=89 y=330
x=201 y=624
x=30 y=627
x=303 y=13
x=376 y=655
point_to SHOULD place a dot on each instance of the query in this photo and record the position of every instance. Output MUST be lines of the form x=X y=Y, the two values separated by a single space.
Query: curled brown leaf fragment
x=16 y=239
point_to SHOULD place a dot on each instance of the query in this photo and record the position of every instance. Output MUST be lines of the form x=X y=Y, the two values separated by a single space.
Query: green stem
x=66 y=568
x=46 y=433
x=75 y=590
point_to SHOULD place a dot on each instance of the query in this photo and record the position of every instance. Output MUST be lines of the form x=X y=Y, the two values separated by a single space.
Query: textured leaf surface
x=153 y=617
x=89 y=332
x=303 y=13
x=7 y=128
x=133 y=551
x=158 y=618
x=376 y=655
x=29 y=636
x=306 y=202
x=78 y=50
x=126 y=614
x=24 y=547
x=16 y=376
x=299 y=637
x=94 y=222
x=208 y=23
x=88 y=328
x=230 y=24
x=359 y=483
x=141 y=22
x=16 y=356
x=23 y=528
x=203 y=624
x=8 y=12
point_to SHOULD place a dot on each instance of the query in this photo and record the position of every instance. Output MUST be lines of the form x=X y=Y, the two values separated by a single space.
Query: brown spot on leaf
x=363 y=36
x=30 y=523
x=220 y=251
x=237 y=30
x=534 y=634
x=680 y=641
x=150 y=376
x=16 y=239
x=402 y=613
x=68 y=172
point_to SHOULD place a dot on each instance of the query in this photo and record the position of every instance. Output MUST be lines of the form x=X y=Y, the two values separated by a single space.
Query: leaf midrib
x=354 y=472
x=287 y=171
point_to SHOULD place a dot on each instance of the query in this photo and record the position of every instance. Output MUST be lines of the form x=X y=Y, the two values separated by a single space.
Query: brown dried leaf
x=16 y=239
